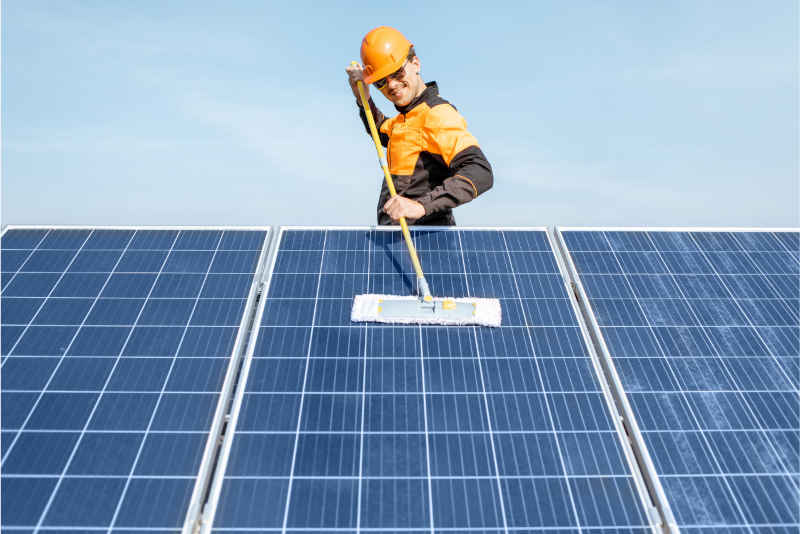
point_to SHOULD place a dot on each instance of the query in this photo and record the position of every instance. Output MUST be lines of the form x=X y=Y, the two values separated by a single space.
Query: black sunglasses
x=396 y=75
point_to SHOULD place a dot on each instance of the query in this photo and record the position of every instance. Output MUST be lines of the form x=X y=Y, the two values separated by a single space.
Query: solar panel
x=702 y=329
x=346 y=427
x=116 y=349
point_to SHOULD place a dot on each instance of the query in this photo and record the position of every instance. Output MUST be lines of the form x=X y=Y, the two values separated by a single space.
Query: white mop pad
x=487 y=312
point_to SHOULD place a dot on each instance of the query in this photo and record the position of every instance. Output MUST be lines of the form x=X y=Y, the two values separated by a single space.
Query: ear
x=416 y=63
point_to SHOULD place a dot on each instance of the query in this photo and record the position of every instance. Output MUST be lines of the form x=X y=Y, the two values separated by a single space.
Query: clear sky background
x=220 y=113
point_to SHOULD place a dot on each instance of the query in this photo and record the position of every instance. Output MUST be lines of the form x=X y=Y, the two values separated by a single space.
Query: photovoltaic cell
x=702 y=329
x=385 y=428
x=115 y=347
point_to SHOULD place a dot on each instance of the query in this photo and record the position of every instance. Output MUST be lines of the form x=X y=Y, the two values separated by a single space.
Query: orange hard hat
x=383 y=51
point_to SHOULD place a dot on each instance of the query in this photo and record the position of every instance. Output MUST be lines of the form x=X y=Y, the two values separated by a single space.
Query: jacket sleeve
x=379 y=117
x=445 y=134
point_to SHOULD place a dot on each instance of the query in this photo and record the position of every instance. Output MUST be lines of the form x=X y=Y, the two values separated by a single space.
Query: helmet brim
x=383 y=72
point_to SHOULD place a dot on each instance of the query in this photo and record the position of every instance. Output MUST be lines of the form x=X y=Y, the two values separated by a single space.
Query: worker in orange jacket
x=436 y=164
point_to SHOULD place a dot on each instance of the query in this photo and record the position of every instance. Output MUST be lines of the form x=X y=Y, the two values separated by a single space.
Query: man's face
x=402 y=86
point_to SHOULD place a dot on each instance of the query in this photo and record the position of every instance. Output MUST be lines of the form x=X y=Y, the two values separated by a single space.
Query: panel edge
x=205 y=521
x=208 y=466
x=651 y=491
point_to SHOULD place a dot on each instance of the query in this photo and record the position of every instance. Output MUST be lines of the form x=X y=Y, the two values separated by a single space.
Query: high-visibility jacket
x=433 y=159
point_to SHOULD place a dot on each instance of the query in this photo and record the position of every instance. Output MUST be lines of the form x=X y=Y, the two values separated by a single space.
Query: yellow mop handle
x=384 y=164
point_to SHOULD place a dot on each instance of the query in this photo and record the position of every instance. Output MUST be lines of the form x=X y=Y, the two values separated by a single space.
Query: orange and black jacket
x=432 y=157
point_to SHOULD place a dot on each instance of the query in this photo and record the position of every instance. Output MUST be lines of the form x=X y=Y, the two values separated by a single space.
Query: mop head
x=410 y=310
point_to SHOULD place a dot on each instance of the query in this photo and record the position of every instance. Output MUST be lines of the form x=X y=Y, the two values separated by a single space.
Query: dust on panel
x=703 y=330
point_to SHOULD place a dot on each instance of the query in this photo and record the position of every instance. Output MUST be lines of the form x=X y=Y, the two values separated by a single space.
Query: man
x=435 y=162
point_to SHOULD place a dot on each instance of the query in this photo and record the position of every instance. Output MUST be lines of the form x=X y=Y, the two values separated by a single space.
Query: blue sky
x=591 y=113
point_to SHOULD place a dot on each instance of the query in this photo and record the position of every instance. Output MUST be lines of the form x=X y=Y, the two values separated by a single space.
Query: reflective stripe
x=474 y=189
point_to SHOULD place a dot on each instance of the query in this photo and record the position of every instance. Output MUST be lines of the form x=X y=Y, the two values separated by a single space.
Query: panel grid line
x=146 y=272
x=448 y=358
x=163 y=387
x=481 y=530
x=303 y=391
x=45 y=388
x=746 y=315
x=434 y=273
x=45 y=299
x=627 y=429
x=83 y=456
x=499 y=486
x=393 y=477
x=377 y=393
x=97 y=401
x=363 y=405
x=721 y=360
x=422 y=432
x=55 y=369
x=675 y=377
x=100 y=396
x=21 y=265
x=785 y=247
x=541 y=380
x=427 y=437
x=151 y=249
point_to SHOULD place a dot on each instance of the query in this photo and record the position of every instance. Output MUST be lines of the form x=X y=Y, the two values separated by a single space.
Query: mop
x=422 y=308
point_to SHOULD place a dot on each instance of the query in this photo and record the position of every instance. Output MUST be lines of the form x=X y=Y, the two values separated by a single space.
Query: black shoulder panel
x=436 y=100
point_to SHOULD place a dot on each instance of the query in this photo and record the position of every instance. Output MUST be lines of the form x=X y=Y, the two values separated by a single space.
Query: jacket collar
x=431 y=90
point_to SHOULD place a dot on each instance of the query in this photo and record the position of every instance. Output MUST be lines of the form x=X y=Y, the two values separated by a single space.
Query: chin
x=401 y=100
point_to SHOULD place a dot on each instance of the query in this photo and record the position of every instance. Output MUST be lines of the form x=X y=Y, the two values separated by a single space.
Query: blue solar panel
x=345 y=427
x=115 y=347
x=702 y=328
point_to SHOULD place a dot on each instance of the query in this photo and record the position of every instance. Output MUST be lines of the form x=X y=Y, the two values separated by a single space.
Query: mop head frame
x=413 y=310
